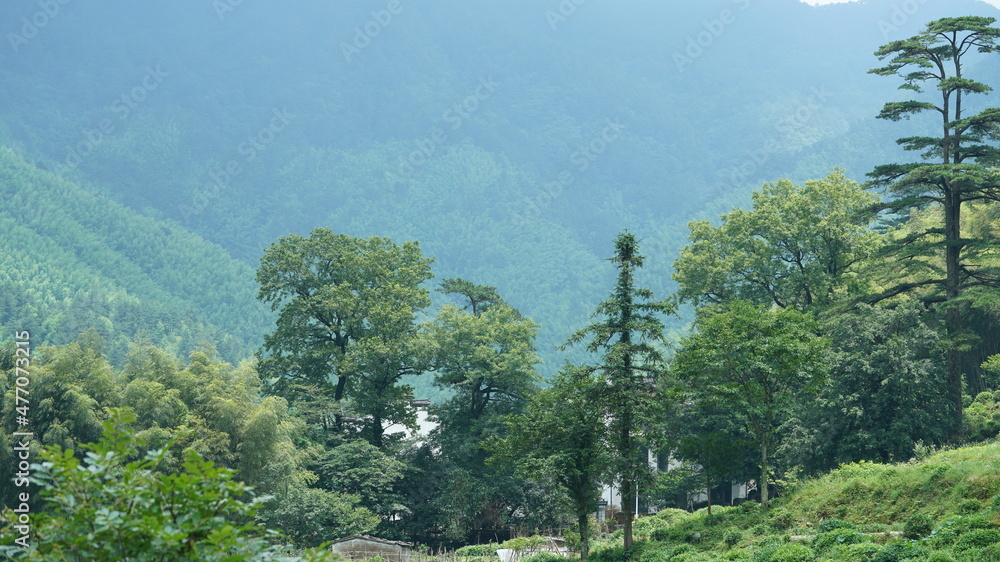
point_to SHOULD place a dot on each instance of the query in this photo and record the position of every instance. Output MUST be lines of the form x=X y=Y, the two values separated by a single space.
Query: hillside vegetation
x=944 y=507
x=72 y=260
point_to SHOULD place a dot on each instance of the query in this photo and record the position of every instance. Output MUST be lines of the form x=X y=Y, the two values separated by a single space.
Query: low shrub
x=781 y=519
x=544 y=557
x=478 y=550
x=767 y=548
x=610 y=554
x=733 y=538
x=671 y=534
x=989 y=554
x=968 y=507
x=918 y=526
x=940 y=556
x=793 y=552
x=896 y=551
x=679 y=549
x=873 y=528
x=749 y=507
x=978 y=538
x=854 y=552
x=831 y=524
x=672 y=515
x=825 y=541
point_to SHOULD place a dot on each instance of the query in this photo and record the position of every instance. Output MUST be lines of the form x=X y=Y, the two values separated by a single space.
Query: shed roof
x=372 y=539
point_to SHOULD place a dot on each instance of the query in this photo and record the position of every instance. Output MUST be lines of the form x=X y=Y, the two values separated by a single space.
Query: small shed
x=359 y=547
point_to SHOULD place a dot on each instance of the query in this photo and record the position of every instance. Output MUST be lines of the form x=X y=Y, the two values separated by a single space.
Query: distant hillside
x=73 y=260
x=513 y=139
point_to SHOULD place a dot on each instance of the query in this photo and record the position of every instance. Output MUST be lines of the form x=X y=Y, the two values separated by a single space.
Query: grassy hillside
x=944 y=507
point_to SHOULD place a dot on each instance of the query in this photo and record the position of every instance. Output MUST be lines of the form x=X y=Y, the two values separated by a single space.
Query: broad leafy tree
x=887 y=391
x=484 y=354
x=559 y=435
x=710 y=441
x=959 y=168
x=346 y=314
x=628 y=333
x=796 y=247
x=754 y=361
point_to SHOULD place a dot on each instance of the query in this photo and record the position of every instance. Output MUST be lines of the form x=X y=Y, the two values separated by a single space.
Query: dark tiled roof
x=372 y=539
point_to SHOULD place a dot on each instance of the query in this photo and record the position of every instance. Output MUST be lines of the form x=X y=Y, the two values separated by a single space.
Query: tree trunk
x=708 y=488
x=628 y=496
x=953 y=314
x=763 y=473
x=583 y=522
x=338 y=394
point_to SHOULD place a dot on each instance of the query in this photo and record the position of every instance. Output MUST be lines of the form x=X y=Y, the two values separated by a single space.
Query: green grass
x=949 y=503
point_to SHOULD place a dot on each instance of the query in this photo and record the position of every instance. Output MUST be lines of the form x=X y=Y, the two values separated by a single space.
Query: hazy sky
x=818 y=2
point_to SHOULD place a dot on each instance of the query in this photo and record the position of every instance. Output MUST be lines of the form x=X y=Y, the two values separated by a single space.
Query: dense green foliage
x=832 y=329
x=109 y=507
x=940 y=508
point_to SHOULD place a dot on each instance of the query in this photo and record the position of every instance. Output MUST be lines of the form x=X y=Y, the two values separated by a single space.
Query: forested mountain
x=511 y=139
x=73 y=260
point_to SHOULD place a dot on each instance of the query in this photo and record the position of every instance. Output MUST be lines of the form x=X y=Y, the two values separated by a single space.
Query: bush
x=672 y=534
x=612 y=554
x=940 y=556
x=918 y=526
x=793 y=552
x=967 y=507
x=651 y=556
x=749 y=507
x=733 y=538
x=544 y=557
x=767 y=548
x=104 y=508
x=854 y=552
x=680 y=549
x=831 y=524
x=989 y=554
x=900 y=551
x=978 y=538
x=478 y=550
x=781 y=519
x=826 y=541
